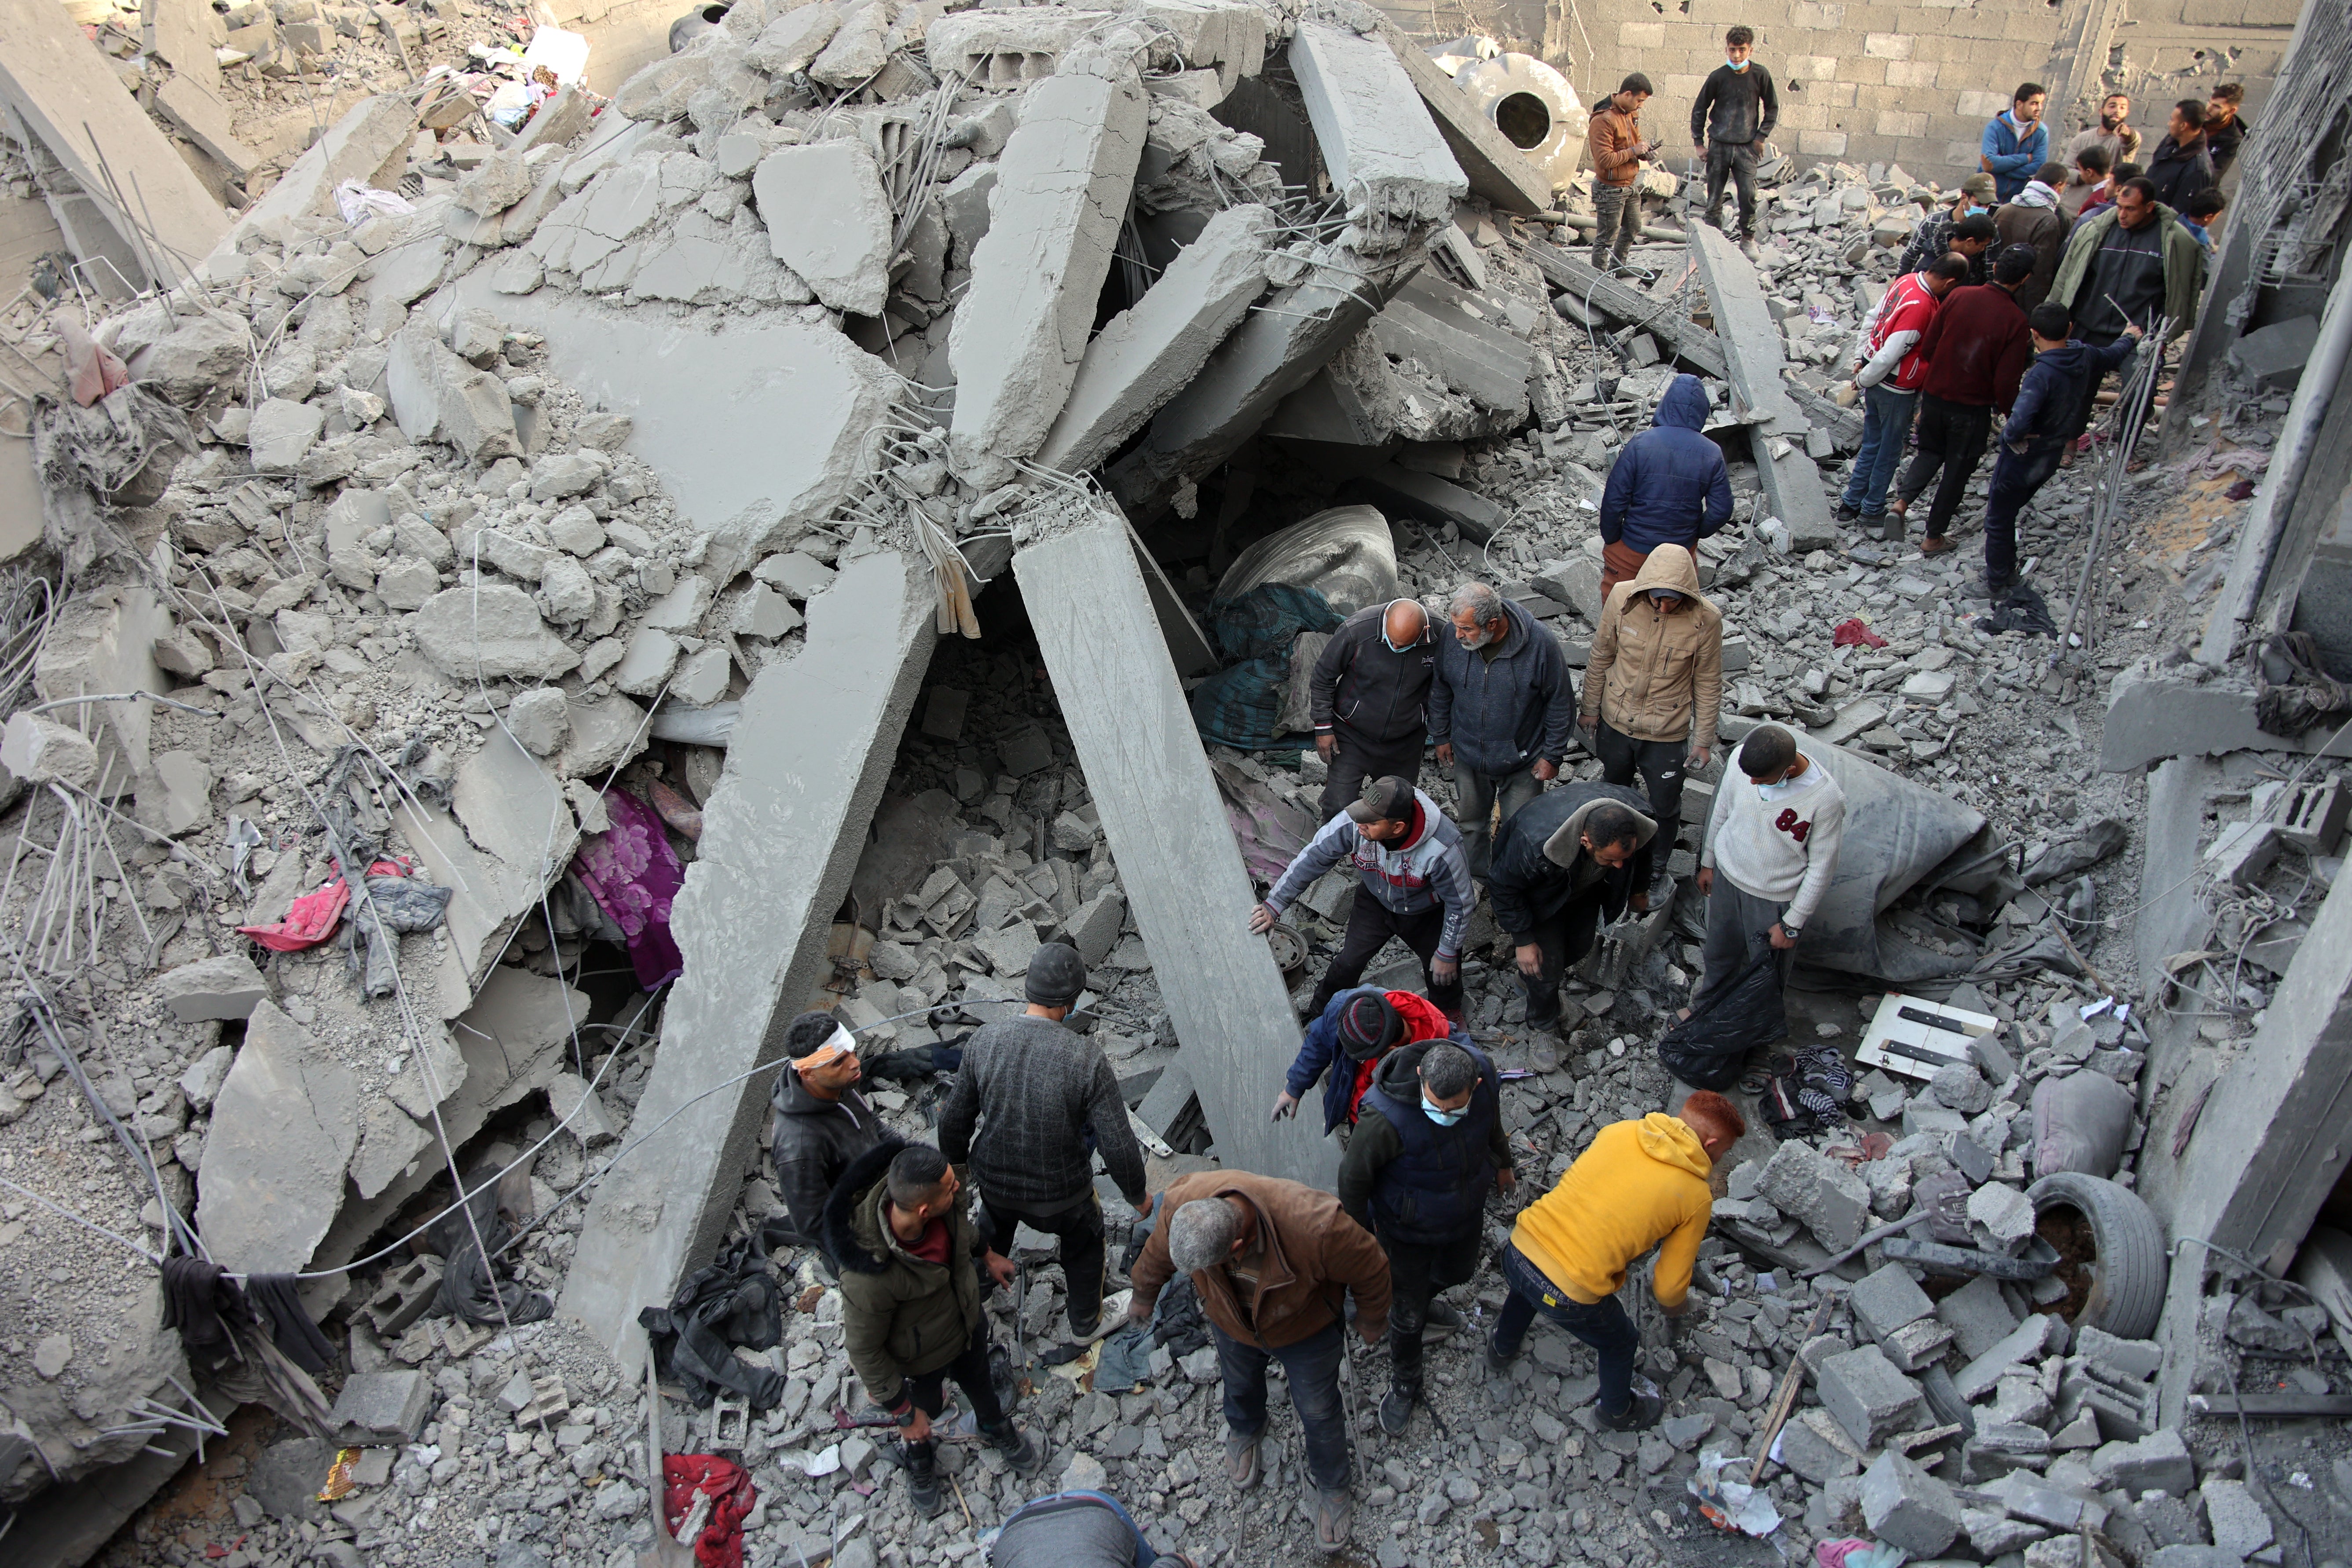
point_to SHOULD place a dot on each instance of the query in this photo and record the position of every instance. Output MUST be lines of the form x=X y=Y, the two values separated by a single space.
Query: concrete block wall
x=1907 y=81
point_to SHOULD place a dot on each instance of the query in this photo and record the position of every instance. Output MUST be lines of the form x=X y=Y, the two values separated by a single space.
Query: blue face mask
x=1443 y=1118
x=1775 y=791
x=1737 y=65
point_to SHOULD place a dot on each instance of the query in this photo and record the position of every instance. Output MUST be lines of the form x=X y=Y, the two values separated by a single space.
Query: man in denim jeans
x=1888 y=367
x=1639 y=1185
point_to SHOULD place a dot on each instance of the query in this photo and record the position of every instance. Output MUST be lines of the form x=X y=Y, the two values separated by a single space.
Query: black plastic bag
x=734 y=1301
x=1706 y=1049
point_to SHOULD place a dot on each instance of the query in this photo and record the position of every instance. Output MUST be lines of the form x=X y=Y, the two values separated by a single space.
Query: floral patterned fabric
x=633 y=874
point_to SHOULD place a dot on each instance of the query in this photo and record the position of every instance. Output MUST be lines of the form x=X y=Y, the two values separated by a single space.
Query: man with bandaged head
x=822 y=1123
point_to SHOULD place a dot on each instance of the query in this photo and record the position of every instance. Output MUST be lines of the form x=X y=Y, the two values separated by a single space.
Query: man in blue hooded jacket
x=1669 y=485
x=2015 y=142
x=2053 y=405
x=1502 y=711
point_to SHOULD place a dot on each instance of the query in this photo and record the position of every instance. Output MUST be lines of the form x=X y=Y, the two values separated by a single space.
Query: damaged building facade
x=523 y=584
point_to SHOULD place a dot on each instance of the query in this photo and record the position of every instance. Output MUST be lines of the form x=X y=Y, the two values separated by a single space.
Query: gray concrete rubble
x=1385 y=153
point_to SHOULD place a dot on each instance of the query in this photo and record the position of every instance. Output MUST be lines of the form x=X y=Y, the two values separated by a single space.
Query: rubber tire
x=2128 y=1284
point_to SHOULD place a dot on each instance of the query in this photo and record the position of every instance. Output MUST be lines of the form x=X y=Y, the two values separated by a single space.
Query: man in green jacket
x=2128 y=267
x=899 y=1228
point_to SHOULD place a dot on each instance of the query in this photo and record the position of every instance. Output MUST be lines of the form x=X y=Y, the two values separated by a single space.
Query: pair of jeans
x=1562 y=940
x=1416 y=1273
x=1312 y=1367
x=1952 y=438
x=1083 y=1250
x=1886 y=424
x=1660 y=763
x=1355 y=759
x=1619 y=210
x=1735 y=917
x=929 y=1390
x=1602 y=1325
x=1371 y=923
x=1475 y=794
x=1735 y=162
x=2015 y=478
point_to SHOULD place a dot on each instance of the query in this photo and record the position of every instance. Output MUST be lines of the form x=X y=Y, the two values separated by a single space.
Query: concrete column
x=1166 y=828
x=780 y=836
x=1061 y=195
x=1750 y=341
x=1384 y=151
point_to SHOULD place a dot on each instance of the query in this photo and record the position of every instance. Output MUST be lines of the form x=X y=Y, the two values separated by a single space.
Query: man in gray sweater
x=1774 y=840
x=1039 y=1091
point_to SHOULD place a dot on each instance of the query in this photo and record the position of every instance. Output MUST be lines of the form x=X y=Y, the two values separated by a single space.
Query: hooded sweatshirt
x=1424 y=868
x=1654 y=676
x=1669 y=485
x=1640 y=1183
x=1539 y=867
x=2053 y=402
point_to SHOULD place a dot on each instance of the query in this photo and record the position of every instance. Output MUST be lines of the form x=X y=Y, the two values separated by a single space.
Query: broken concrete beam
x=1148 y=353
x=1166 y=825
x=1751 y=341
x=367 y=145
x=1426 y=496
x=1001 y=49
x=1062 y=188
x=283 y=1127
x=781 y=834
x=227 y=986
x=2149 y=719
x=68 y=95
x=1427 y=322
x=829 y=220
x=1495 y=168
x=202 y=119
x=1390 y=163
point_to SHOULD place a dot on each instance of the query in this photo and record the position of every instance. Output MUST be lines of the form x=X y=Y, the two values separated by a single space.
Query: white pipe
x=2283 y=479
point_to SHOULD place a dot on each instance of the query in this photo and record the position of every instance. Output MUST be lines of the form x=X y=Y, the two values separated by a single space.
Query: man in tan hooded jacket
x=1654 y=685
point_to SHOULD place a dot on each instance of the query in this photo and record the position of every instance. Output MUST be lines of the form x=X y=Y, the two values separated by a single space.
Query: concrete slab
x=1166 y=825
x=1750 y=341
x=1145 y=355
x=203 y=117
x=1434 y=501
x=361 y=146
x=283 y=1129
x=1495 y=168
x=829 y=220
x=1391 y=163
x=1061 y=196
x=781 y=834
x=512 y=833
x=2149 y=718
x=68 y=96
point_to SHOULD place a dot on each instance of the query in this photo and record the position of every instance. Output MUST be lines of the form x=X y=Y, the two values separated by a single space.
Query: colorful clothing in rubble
x=633 y=874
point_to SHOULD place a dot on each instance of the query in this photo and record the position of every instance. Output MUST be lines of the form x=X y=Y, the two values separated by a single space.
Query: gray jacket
x=1428 y=867
x=813 y=1142
x=1500 y=714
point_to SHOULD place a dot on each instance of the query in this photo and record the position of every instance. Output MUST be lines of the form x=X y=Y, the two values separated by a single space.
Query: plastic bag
x=2080 y=1122
x=1705 y=1049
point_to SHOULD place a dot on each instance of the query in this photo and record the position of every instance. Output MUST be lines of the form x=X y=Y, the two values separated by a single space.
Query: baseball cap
x=1979 y=185
x=1384 y=800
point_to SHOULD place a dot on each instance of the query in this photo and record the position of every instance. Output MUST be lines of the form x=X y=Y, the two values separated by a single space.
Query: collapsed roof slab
x=1061 y=197
x=1384 y=155
x=68 y=96
x=780 y=836
x=1145 y=355
x=1494 y=167
x=1166 y=825
x=1750 y=341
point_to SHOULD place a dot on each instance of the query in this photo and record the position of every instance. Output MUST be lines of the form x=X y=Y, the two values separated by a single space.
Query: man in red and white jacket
x=1888 y=367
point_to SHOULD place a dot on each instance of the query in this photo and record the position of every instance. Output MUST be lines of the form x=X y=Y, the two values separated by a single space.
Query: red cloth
x=720 y=1544
x=1852 y=633
x=312 y=918
x=1977 y=348
x=1906 y=307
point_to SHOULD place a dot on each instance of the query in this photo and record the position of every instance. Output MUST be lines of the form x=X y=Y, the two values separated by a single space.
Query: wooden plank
x=1751 y=355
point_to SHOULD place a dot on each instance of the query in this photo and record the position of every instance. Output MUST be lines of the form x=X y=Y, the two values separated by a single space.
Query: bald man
x=1369 y=698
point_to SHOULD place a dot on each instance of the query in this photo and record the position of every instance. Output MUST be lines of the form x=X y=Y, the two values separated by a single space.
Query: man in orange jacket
x=1640 y=1183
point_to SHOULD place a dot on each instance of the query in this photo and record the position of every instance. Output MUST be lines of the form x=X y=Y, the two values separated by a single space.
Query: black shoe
x=1020 y=1450
x=1497 y=1363
x=1640 y=1414
x=1998 y=591
x=1396 y=1409
x=921 y=1461
x=1442 y=1314
x=1844 y=513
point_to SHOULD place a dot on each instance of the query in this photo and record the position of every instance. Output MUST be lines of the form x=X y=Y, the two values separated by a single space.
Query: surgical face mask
x=1775 y=791
x=1737 y=65
x=1442 y=1117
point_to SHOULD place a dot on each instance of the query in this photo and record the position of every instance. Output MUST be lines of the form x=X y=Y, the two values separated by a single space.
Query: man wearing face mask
x=1416 y=1175
x=1575 y=859
x=1775 y=844
x=1731 y=119
x=1368 y=697
x=1415 y=887
x=1933 y=238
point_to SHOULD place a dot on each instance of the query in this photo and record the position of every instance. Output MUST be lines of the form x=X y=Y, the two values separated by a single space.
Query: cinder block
x=1804 y=117
x=1888 y=46
x=1862 y=72
x=1808 y=67
x=1911 y=74
x=1885 y=1300
x=381 y=1409
x=1979 y=1317
x=1816 y=17
x=404 y=1295
x=2028 y=1342
x=2141 y=1359
x=1821 y=144
x=1835 y=95
x=1640 y=34
x=1870 y=1398
x=1905 y=1505
x=2157 y=1462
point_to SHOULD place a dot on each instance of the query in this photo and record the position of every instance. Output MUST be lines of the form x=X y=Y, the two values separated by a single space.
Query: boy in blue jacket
x=2053 y=405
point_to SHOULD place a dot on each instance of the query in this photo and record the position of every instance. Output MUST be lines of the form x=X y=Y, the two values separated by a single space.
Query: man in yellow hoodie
x=1639 y=1185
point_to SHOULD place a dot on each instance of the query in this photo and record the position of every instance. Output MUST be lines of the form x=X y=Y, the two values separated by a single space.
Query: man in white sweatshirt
x=1774 y=840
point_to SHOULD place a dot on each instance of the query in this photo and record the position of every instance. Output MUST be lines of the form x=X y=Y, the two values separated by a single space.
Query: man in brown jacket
x=2033 y=218
x=1614 y=140
x=1654 y=685
x=1273 y=1262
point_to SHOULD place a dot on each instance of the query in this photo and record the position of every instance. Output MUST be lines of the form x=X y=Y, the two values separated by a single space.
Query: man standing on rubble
x=1731 y=119
x=822 y=1123
x=2128 y=266
x=1933 y=238
x=1775 y=844
x=899 y=1225
x=1639 y=1185
x=2115 y=135
x=2053 y=405
x=1040 y=1092
x=1503 y=711
x=1668 y=486
x=1416 y=1175
x=1414 y=885
x=1272 y=1261
x=1654 y=688
x=2181 y=165
x=2033 y=217
x=1977 y=351
x=1368 y=697
x=1888 y=367
x=1564 y=867
x=2015 y=142
x=1615 y=143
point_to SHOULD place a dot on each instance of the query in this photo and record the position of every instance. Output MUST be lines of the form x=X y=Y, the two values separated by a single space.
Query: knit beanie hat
x=1056 y=974
x=1368 y=1024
